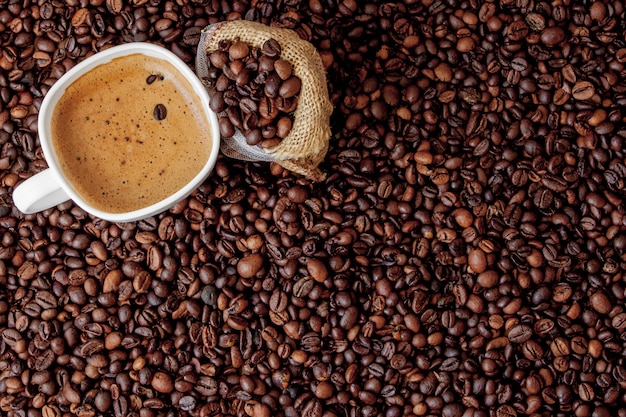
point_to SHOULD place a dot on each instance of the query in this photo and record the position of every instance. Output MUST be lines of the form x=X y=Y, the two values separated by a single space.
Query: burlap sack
x=306 y=145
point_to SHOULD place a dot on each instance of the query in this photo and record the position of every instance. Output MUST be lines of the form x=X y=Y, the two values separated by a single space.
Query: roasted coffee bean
x=552 y=36
x=160 y=112
x=254 y=137
x=283 y=68
x=217 y=102
x=206 y=386
x=283 y=127
x=11 y=337
x=238 y=50
x=271 y=48
x=272 y=85
x=290 y=87
x=227 y=129
x=583 y=90
x=187 y=403
x=191 y=36
x=218 y=59
x=248 y=105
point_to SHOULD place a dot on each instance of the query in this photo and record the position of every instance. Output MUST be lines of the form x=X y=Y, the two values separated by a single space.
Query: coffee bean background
x=464 y=257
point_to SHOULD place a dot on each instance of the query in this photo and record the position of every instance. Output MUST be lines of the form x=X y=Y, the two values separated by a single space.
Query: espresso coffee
x=130 y=133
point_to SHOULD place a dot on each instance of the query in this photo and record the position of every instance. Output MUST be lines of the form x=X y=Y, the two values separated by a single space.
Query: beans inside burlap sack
x=305 y=147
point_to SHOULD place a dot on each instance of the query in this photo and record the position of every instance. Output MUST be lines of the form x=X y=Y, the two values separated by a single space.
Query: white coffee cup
x=51 y=187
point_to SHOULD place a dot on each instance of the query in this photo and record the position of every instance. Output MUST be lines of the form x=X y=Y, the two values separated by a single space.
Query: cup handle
x=39 y=192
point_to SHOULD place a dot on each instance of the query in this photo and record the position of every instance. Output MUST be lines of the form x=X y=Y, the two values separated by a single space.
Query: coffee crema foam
x=130 y=133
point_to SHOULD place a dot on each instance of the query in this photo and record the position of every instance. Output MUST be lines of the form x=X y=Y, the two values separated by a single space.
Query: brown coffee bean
x=142 y=282
x=283 y=69
x=238 y=50
x=583 y=90
x=218 y=59
x=283 y=127
x=266 y=64
x=271 y=48
x=505 y=411
x=519 y=64
x=272 y=85
x=488 y=279
x=560 y=97
x=323 y=390
x=162 y=382
x=91 y=347
x=11 y=337
x=253 y=137
x=114 y=6
x=160 y=112
x=290 y=87
x=248 y=266
x=247 y=105
x=217 y=103
x=477 y=260
x=278 y=301
x=50 y=411
x=553 y=183
x=191 y=36
x=465 y=44
x=559 y=347
x=532 y=350
x=45 y=299
x=227 y=129
x=517 y=30
x=619 y=321
x=443 y=72
x=519 y=333
x=535 y=21
x=317 y=269
x=600 y=302
x=187 y=403
x=552 y=36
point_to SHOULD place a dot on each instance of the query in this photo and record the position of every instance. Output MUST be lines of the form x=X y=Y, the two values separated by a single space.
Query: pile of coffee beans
x=465 y=255
x=256 y=90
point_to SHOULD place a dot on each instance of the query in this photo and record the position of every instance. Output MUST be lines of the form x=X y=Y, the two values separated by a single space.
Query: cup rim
x=58 y=89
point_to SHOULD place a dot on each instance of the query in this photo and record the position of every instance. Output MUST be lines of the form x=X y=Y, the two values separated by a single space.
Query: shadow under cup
x=144 y=143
